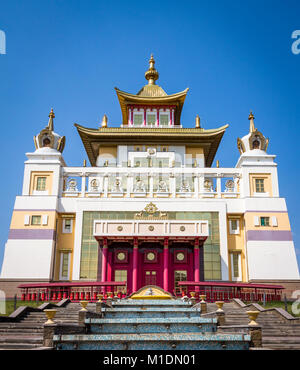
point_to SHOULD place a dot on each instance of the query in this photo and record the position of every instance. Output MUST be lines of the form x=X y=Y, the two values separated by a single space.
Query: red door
x=150 y=277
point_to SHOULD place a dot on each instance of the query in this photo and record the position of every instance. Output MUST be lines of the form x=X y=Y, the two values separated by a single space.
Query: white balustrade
x=160 y=182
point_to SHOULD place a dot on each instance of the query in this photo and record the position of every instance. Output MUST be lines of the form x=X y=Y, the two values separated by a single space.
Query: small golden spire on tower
x=50 y=123
x=104 y=121
x=218 y=164
x=251 y=119
x=197 y=125
x=151 y=75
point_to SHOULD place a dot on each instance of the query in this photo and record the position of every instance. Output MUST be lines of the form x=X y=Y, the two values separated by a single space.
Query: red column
x=104 y=261
x=196 y=263
x=109 y=269
x=166 y=264
x=135 y=265
x=157 y=117
x=129 y=117
x=145 y=109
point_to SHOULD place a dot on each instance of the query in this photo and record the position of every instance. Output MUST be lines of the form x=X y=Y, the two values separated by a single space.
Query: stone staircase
x=170 y=324
x=151 y=325
x=27 y=333
x=277 y=332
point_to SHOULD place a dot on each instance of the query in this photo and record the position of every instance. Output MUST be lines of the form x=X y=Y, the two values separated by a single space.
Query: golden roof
x=126 y=99
x=151 y=94
x=92 y=139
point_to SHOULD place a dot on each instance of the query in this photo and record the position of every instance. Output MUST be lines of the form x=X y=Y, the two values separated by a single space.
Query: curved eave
x=127 y=98
x=93 y=138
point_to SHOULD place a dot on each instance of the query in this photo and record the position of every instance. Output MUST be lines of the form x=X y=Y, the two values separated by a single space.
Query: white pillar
x=219 y=189
x=173 y=185
x=83 y=181
x=201 y=182
x=77 y=246
x=129 y=185
x=196 y=186
x=151 y=185
x=105 y=185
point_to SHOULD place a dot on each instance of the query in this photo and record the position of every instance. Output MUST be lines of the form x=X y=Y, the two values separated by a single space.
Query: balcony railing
x=114 y=182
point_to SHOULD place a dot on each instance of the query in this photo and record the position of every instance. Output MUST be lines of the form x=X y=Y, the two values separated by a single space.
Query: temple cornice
x=93 y=138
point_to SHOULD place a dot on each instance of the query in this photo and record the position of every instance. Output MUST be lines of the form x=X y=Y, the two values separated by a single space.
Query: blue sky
x=235 y=56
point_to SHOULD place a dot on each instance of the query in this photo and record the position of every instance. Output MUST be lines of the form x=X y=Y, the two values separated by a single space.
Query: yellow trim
x=267 y=182
x=65 y=243
x=33 y=181
x=150 y=297
x=18 y=217
x=194 y=151
x=283 y=222
x=112 y=150
x=236 y=244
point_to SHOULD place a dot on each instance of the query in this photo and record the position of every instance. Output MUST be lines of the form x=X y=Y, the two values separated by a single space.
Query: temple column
x=104 y=262
x=196 y=263
x=109 y=270
x=166 y=265
x=129 y=117
x=135 y=265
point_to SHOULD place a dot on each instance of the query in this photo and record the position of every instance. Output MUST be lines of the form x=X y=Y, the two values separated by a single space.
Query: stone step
x=282 y=346
x=44 y=319
x=280 y=332
x=161 y=341
x=21 y=324
x=140 y=313
x=21 y=338
x=149 y=303
x=151 y=325
x=19 y=346
x=42 y=314
x=151 y=308
x=4 y=331
x=285 y=340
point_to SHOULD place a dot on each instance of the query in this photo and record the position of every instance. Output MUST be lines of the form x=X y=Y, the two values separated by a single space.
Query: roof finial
x=104 y=121
x=151 y=75
x=251 y=119
x=50 y=123
x=197 y=125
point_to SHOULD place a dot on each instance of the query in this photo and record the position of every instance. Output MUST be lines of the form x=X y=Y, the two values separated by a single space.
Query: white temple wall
x=27 y=259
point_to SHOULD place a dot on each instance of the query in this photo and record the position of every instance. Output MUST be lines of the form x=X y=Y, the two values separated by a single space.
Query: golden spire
x=197 y=125
x=151 y=75
x=251 y=119
x=104 y=121
x=50 y=123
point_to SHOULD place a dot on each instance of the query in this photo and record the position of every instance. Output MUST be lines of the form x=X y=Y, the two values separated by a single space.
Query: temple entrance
x=151 y=262
x=150 y=277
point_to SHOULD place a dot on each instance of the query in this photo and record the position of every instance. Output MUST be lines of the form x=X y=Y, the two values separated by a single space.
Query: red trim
x=238 y=285
x=75 y=284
